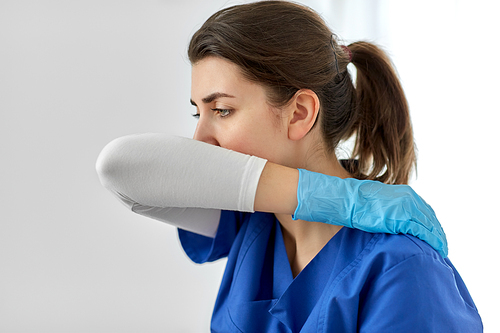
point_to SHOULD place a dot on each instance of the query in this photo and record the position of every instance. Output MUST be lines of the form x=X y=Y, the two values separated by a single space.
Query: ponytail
x=384 y=146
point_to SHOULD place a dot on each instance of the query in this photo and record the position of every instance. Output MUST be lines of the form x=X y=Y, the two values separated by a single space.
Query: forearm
x=277 y=189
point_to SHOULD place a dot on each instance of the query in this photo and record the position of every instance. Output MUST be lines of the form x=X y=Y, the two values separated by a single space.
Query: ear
x=303 y=111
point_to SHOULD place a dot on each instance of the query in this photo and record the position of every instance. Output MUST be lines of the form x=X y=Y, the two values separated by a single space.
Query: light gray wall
x=76 y=74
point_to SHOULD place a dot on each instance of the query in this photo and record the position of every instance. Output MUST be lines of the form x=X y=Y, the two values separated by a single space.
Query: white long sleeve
x=203 y=221
x=178 y=180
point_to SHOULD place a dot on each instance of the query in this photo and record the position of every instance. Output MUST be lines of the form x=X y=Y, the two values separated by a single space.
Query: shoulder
x=392 y=249
x=409 y=269
x=366 y=259
x=401 y=247
x=404 y=284
x=378 y=253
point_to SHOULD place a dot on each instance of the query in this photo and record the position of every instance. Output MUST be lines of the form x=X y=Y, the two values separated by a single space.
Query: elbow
x=111 y=163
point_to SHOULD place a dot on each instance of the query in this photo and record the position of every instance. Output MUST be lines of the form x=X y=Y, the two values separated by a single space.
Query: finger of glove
x=398 y=209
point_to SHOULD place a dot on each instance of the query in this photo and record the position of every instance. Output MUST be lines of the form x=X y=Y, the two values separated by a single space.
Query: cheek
x=243 y=142
x=261 y=144
x=254 y=135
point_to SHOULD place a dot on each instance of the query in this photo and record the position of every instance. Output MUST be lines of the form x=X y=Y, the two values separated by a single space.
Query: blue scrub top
x=359 y=282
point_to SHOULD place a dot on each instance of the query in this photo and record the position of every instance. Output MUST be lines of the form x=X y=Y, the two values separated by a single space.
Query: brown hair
x=286 y=47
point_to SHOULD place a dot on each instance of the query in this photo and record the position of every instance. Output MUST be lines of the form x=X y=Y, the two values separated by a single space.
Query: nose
x=205 y=131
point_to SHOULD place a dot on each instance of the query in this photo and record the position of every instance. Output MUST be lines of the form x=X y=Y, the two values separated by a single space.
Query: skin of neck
x=304 y=239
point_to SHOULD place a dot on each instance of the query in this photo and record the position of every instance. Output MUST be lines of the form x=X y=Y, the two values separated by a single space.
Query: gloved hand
x=369 y=206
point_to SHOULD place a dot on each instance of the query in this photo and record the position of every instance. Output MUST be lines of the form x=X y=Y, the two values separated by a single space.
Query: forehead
x=214 y=74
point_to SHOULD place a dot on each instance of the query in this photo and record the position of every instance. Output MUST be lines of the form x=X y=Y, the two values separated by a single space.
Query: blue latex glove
x=369 y=206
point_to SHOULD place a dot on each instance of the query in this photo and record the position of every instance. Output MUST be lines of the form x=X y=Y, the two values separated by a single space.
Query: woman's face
x=233 y=112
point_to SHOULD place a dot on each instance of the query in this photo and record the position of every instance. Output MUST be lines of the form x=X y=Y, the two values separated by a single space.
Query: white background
x=76 y=74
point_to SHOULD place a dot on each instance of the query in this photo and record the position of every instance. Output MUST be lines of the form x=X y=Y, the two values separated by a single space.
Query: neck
x=310 y=154
x=304 y=239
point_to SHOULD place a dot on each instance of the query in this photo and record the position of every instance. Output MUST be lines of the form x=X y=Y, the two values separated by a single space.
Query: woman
x=274 y=99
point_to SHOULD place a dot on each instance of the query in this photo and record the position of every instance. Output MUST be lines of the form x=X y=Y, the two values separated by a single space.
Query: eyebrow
x=212 y=97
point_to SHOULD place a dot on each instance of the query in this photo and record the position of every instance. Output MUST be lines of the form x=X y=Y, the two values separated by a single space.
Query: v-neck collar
x=262 y=285
x=283 y=275
x=296 y=297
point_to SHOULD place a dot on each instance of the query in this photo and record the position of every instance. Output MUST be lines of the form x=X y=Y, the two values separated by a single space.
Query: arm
x=180 y=181
x=151 y=173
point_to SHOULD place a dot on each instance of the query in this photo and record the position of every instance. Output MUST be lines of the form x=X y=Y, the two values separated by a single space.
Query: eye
x=196 y=115
x=222 y=112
